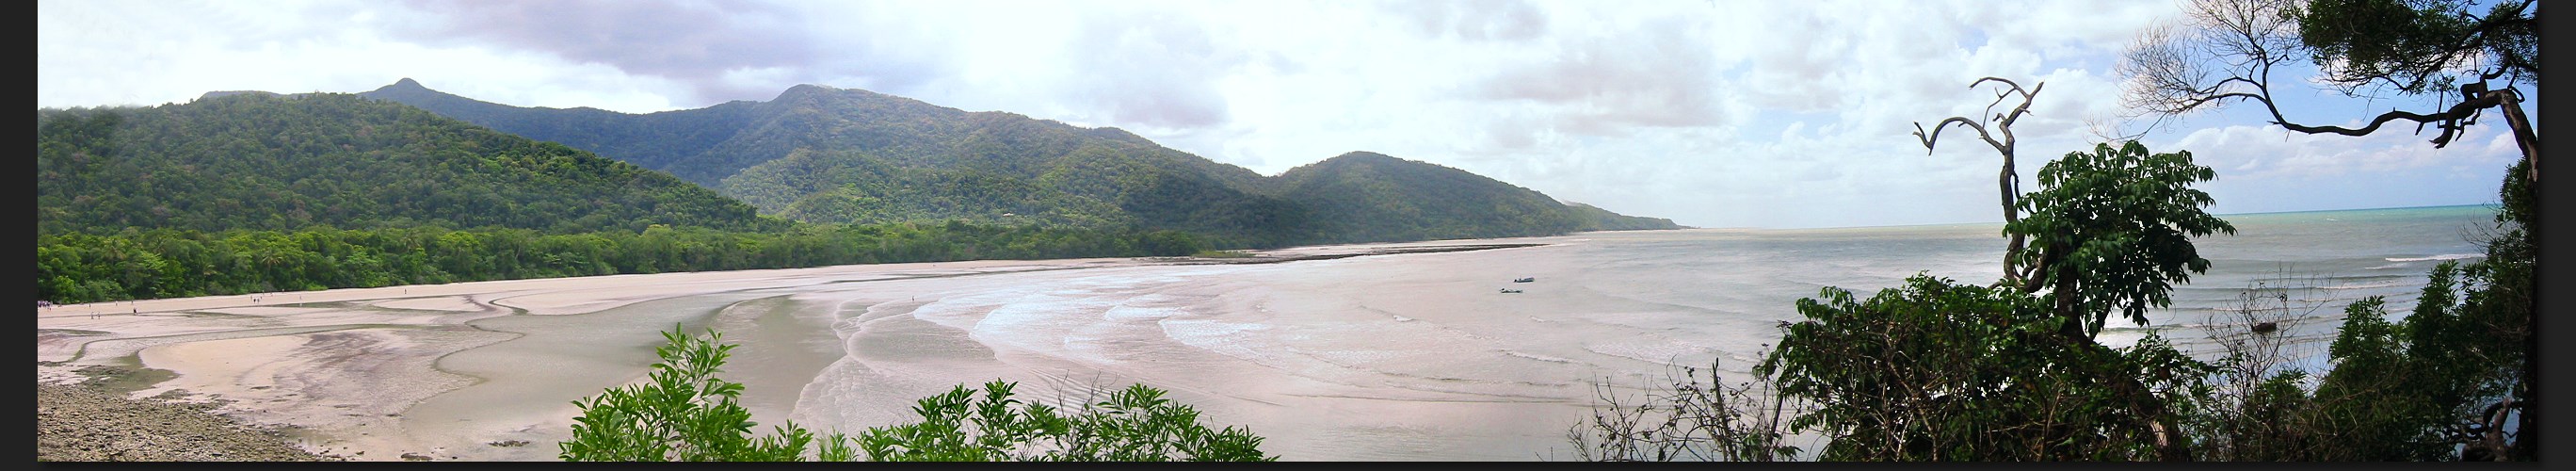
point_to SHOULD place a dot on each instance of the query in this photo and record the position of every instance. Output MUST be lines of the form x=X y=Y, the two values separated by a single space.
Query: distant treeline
x=166 y=263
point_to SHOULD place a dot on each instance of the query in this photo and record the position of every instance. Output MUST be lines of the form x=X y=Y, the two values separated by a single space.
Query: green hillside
x=829 y=155
x=269 y=162
x=1597 y=219
x=1368 y=197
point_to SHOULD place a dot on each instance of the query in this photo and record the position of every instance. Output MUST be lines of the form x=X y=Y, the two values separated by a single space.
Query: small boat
x=1509 y=291
x=1525 y=280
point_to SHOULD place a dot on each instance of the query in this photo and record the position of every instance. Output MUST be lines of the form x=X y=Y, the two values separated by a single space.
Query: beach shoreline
x=341 y=371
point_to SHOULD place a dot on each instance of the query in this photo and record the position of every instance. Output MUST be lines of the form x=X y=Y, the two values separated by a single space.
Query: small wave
x=2391 y=284
x=2455 y=256
x=1539 y=357
x=1662 y=352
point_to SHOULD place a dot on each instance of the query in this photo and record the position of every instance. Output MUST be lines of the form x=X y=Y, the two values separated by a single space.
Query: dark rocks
x=81 y=423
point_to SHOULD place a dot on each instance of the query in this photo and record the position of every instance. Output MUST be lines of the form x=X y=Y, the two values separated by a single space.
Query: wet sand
x=487 y=371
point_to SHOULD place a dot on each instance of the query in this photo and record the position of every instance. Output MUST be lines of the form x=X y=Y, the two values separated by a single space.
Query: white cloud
x=2263 y=152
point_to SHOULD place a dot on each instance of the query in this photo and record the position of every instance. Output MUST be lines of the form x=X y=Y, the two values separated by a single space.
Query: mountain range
x=406 y=155
x=820 y=154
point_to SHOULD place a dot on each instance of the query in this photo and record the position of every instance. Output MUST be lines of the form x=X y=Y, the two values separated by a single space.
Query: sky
x=1724 y=113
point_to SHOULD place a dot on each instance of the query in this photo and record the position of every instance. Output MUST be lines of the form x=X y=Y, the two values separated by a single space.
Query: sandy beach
x=479 y=371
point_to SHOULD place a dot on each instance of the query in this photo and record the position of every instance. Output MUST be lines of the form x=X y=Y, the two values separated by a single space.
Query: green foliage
x=2413 y=45
x=684 y=413
x=162 y=263
x=2445 y=381
x=282 y=163
x=2112 y=231
x=1597 y=219
x=824 y=155
x=1939 y=371
x=1135 y=424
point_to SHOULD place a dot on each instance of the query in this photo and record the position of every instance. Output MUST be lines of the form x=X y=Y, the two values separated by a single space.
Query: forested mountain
x=1369 y=197
x=245 y=192
x=1597 y=219
x=823 y=154
x=262 y=161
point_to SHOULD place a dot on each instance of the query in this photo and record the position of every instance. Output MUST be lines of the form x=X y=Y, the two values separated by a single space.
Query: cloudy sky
x=1725 y=113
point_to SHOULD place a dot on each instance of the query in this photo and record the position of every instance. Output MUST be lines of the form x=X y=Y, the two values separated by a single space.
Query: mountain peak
x=807 y=89
x=1361 y=155
x=404 y=88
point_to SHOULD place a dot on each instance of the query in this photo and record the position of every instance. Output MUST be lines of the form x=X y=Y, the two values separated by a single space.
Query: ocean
x=1424 y=357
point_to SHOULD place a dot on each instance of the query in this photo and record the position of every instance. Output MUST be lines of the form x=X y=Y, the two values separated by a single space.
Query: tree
x=1134 y=424
x=684 y=413
x=2448 y=381
x=2113 y=230
x=1944 y=372
x=1935 y=370
x=2007 y=181
x=2224 y=51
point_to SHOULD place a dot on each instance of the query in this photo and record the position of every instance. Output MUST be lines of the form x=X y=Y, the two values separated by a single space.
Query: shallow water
x=1420 y=357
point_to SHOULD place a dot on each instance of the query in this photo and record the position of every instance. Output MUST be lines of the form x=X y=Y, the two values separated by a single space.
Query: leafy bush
x=1135 y=424
x=685 y=413
x=1939 y=371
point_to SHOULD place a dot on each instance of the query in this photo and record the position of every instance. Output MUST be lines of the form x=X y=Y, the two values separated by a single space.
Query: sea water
x=1424 y=357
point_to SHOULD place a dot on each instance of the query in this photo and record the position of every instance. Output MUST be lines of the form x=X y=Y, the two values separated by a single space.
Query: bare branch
x=2007 y=181
x=2169 y=72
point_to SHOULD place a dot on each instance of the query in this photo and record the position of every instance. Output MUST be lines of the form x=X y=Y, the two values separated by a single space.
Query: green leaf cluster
x=1936 y=371
x=1134 y=424
x=2414 y=45
x=2111 y=231
x=2444 y=382
x=683 y=412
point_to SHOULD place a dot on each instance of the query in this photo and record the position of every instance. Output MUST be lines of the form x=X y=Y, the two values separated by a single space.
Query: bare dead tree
x=2224 y=51
x=2008 y=181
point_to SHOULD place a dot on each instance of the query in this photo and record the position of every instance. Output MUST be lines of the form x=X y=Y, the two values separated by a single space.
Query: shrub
x=685 y=413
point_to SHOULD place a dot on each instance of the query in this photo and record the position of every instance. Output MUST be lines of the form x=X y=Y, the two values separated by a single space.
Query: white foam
x=2385 y=284
x=1539 y=357
x=1661 y=351
x=2455 y=256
